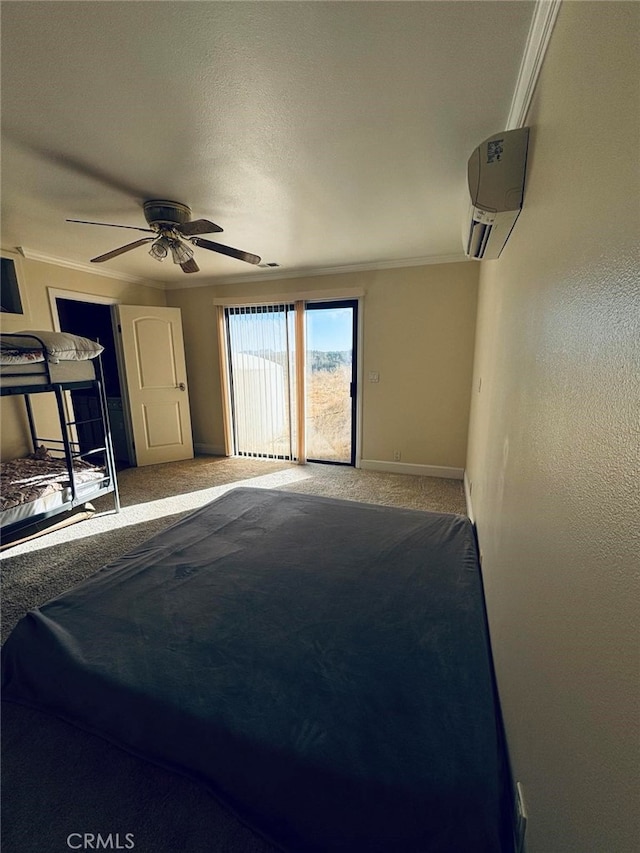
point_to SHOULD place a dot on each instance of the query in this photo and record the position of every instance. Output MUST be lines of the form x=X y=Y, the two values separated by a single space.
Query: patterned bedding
x=38 y=475
x=10 y=355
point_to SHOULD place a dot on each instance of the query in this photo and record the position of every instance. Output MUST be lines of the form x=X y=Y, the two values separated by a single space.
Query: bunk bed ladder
x=68 y=443
x=110 y=459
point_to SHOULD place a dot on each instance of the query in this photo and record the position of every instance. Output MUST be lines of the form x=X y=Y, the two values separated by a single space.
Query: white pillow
x=62 y=346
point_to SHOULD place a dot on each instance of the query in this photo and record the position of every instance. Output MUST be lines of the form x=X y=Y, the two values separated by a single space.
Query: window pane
x=329 y=358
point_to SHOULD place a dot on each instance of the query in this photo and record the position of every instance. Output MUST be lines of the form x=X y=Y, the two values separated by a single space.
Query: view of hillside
x=316 y=359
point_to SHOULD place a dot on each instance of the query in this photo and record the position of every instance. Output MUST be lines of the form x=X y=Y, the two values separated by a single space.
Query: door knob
x=181 y=386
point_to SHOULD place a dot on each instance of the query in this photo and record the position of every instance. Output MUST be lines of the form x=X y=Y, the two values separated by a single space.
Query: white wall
x=554 y=440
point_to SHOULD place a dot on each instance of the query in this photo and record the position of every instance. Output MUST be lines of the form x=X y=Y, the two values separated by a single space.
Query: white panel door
x=156 y=379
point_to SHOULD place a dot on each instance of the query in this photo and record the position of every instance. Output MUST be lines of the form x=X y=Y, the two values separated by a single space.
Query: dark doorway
x=93 y=320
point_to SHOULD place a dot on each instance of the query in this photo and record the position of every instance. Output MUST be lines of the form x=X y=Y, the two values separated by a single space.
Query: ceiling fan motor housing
x=165 y=214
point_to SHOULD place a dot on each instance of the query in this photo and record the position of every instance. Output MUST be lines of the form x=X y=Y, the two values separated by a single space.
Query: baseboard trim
x=410 y=468
x=467 y=496
x=209 y=450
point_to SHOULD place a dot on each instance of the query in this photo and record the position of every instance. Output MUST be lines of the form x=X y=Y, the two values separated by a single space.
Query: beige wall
x=418 y=334
x=554 y=444
x=37 y=277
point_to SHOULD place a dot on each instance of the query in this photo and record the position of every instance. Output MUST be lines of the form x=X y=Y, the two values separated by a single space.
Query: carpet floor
x=58 y=780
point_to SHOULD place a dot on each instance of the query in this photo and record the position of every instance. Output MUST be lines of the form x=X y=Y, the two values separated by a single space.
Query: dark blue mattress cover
x=323 y=666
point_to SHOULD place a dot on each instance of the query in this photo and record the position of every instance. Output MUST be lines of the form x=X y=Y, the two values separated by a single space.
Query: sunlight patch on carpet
x=151 y=510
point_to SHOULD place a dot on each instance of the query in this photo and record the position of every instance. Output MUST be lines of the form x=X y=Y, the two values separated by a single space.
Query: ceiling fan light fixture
x=181 y=252
x=159 y=249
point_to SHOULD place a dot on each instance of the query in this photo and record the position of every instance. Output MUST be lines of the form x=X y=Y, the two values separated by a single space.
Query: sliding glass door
x=290 y=373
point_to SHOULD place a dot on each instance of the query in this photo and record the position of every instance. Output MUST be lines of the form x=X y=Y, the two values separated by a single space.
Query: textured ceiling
x=317 y=134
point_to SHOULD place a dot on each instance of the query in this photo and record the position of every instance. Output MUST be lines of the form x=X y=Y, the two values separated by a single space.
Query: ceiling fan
x=173 y=229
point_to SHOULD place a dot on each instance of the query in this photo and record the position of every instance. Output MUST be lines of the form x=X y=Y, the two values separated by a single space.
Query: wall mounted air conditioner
x=495 y=173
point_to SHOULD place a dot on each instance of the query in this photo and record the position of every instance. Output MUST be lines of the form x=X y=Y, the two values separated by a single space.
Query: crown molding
x=271 y=275
x=542 y=23
x=279 y=274
x=32 y=255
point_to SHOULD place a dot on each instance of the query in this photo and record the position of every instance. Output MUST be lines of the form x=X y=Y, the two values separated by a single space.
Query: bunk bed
x=65 y=472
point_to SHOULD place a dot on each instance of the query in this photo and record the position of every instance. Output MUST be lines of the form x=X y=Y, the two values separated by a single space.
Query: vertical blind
x=263 y=378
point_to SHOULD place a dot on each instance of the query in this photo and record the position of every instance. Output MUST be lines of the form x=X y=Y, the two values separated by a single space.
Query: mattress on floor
x=322 y=666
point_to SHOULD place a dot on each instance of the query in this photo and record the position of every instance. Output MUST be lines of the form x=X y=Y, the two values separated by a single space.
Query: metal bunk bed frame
x=70 y=446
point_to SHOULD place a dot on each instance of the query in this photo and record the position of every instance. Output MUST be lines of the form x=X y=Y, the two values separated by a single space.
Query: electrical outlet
x=521 y=818
x=397 y=455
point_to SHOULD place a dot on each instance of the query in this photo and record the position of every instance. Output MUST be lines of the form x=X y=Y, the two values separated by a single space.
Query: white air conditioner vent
x=495 y=173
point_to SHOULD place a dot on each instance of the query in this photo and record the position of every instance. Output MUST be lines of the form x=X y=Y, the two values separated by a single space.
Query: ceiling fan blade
x=197 y=226
x=111 y=225
x=226 y=250
x=115 y=252
x=190 y=266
